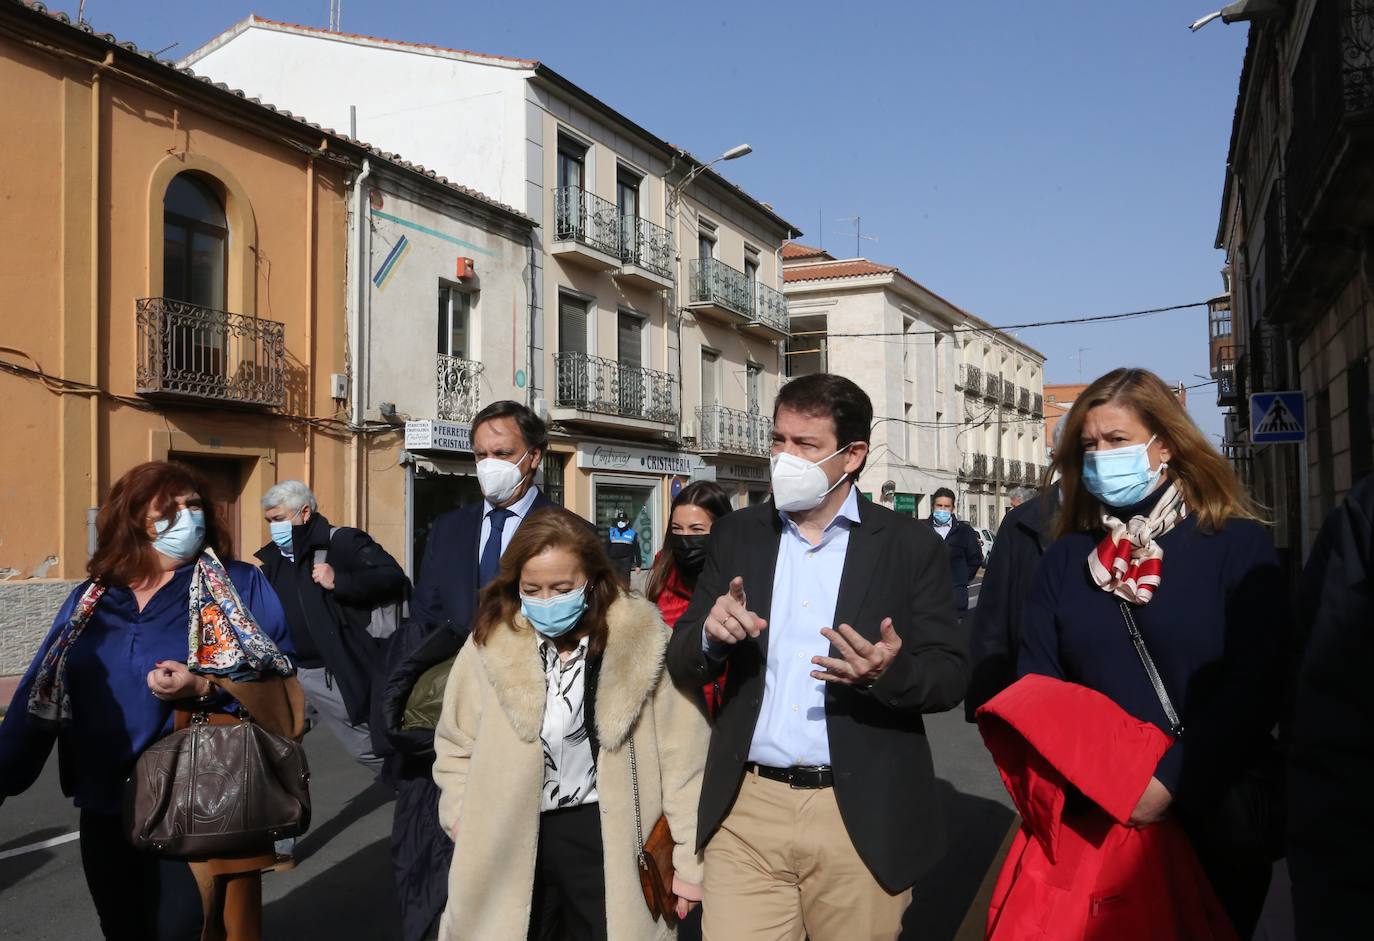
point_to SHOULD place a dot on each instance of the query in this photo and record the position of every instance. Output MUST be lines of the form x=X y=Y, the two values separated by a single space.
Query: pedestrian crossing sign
x=1278 y=417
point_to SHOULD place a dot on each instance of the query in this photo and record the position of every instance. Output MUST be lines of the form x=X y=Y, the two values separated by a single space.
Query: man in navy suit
x=465 y=545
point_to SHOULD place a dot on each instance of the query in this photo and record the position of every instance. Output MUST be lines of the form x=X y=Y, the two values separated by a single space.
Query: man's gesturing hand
x=862 y=663
x=730 y=620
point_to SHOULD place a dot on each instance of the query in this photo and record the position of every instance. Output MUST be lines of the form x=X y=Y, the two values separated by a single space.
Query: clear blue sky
x=1027 y=160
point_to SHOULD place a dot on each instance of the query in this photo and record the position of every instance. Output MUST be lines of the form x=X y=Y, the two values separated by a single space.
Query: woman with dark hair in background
x=1157 y=535
x=674 y=575
x=560 y=745
x=112 y=670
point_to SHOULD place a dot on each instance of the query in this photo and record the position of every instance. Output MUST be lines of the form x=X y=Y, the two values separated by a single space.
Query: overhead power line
x=1094 y=318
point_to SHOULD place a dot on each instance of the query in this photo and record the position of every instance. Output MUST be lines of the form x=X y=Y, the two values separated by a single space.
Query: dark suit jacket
x=965 y=558
x=884 y=780
x=446 y=591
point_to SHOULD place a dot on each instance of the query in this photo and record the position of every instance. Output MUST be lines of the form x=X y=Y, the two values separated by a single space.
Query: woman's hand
x=1152 y=806
x=170 y=681
x=688 y=896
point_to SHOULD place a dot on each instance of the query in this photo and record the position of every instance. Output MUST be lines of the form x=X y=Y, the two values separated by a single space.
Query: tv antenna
x=335 y=14
x=858 y=223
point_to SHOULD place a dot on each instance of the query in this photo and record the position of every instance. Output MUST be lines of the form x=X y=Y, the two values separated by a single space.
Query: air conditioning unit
x=689 y=428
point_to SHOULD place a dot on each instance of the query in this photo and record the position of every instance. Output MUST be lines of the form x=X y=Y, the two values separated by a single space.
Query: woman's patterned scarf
x=224 y=640
x=1129 y=563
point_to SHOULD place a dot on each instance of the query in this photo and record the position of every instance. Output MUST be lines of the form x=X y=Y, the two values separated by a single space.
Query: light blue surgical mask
x=1121 y=476
x=554 y=617
x=182 y=537
x=942 y=517
x=281 y=534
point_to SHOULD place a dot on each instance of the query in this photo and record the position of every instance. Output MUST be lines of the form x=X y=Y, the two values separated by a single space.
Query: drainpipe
x=94 y=399
x=359 y=301
x=310 y=320
x=531 y=389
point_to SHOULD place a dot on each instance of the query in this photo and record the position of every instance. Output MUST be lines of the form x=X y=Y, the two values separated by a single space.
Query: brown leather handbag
x=223 y=786
x=655 y=858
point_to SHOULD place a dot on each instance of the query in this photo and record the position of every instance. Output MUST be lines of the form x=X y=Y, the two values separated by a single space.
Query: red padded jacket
x=1075 y=764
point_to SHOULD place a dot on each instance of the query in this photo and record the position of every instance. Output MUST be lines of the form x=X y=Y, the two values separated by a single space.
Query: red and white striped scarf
x=1129 y=563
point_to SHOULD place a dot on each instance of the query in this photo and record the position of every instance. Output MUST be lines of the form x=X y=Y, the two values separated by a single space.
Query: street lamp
x=675 y=193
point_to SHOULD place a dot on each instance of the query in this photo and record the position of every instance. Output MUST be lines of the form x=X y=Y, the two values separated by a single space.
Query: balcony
x=1037 y=405
x=586 y=229
x=719 y=292
x=722 y=430
x=599 y=392
x=191 y=352
x=997 y=469
x=992 y=387
x=1023 y=401
x=972 y=379
x=460 y=396
x=1014 y=476
x=974 y=467
x=646 y=253
x=768 y=316
x=1228 y=375
x=1008 y=393
x=1329 y=150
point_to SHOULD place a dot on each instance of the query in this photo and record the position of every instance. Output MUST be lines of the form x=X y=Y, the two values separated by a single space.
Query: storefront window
x=638 y=502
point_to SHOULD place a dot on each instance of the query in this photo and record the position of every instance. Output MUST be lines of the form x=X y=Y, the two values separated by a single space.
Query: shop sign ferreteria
x=749 y=473
x=430 y=435
x=612 y=457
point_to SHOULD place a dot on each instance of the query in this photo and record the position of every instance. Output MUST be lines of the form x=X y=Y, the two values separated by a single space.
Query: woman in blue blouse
x=107 y=690
x=1154 y=517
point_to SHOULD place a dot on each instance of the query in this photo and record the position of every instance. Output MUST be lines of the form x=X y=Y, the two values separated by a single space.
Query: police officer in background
x=622 y=545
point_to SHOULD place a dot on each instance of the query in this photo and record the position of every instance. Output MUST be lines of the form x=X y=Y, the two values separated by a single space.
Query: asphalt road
x=342 y=886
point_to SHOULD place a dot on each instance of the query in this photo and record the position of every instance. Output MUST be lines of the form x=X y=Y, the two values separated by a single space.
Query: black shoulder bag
x=1250 y=819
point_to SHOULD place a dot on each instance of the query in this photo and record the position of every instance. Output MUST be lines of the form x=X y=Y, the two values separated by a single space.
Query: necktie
x=491 y=552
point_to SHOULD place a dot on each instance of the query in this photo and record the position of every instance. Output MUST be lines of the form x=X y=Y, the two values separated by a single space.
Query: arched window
x=195 y=243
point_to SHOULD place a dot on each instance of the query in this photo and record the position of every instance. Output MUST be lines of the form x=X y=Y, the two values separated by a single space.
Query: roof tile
x=832 y=270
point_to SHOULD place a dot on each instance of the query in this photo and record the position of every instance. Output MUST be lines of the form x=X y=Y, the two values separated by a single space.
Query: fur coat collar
x=631 y=667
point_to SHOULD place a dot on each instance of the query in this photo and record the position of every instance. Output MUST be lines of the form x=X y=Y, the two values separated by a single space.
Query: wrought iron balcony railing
x=974 y=467
x=198 y=352
x=1023 y=400
x=1228 y=374
x=596 y=384
x=973 y=379
x=732 y=431
x=1038 y=405
x=460 y=396
x=646 y=245
x=997 y=468
x=714 y=282
x=992 y=386
x=770 y=308
x=580 y=216
x=1014 y=472
x=1008 y=393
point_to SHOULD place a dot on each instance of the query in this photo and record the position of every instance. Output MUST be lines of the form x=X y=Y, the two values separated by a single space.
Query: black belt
x=798 y=776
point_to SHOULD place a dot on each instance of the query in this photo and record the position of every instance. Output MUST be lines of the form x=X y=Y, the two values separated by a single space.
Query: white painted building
x=657 y=317
x=907 y=347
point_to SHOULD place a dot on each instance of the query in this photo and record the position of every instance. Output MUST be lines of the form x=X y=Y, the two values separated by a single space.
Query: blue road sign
x=1277 y=417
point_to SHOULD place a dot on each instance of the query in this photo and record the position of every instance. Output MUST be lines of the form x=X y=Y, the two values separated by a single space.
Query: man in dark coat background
x=1331 y=745
x=961 y=544
x=329 y=580
x=463 y=554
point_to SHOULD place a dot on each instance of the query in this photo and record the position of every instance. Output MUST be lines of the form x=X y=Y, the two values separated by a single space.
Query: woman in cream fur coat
x=563 y=669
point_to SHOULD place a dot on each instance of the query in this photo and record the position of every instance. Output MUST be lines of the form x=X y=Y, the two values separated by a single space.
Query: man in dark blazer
x=465 y=545
x=818 y=806
x=961 y=545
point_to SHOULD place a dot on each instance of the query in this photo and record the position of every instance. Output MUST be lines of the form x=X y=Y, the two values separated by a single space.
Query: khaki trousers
x=782 y=868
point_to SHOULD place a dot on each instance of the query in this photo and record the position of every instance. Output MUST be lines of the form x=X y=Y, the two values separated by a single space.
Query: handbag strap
x=639 y=824
x=1175 y=726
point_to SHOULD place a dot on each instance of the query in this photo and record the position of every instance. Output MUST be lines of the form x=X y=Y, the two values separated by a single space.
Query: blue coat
x=446 y=591
x=114 y=716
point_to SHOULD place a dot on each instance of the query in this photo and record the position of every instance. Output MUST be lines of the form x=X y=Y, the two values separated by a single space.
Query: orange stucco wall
x=88 y=155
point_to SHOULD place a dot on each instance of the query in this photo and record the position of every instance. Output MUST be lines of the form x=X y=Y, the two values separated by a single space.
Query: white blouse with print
x=569 y=765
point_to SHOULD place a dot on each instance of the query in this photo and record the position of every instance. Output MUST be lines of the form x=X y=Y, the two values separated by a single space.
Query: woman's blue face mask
x=1121 y=476
x=181 y=538
x=554 y=617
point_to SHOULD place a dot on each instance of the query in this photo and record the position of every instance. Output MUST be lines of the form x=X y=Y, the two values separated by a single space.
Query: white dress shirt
x=943 y=530
x=569 y=765
x=791 y=727
x=518 y=510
